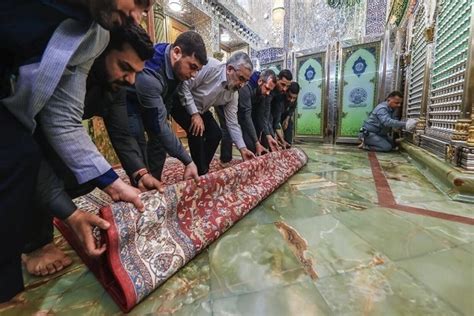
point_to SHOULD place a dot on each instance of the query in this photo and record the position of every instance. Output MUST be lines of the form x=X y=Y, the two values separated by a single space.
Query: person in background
x=288 y=112
x=269 y=117
x=381 y=121
x=251 y=96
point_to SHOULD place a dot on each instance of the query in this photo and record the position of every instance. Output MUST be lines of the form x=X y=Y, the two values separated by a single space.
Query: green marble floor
x=369 y=259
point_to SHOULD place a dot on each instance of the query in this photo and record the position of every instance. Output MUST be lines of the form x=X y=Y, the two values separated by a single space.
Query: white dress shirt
x=209 y=88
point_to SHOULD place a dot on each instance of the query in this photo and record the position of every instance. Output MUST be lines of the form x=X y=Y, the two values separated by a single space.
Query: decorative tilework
x=316 y=24
x=376 y=17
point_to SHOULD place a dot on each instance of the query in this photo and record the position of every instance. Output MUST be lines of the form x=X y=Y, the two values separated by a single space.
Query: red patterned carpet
x=145 y=249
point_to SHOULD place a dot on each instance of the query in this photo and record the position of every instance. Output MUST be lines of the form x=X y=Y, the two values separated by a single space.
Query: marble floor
x=333 y=240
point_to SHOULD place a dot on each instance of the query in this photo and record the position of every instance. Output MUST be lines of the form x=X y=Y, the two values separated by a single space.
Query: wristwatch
x=140 y=174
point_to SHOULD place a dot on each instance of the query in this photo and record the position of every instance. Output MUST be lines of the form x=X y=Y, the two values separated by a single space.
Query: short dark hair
x=394 y=94
x=135 y=36
x=268 y=74
x=285 y=73
x=191 y=43
x=294 y=88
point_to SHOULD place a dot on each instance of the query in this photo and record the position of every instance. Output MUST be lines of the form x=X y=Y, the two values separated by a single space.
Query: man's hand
x=285 y=123
x=284 y=144
x=411 y=124
x=82 y=224
x=260 y=150
x=272 y=143
x=148 y=182
x=197 y=125
x=191 y=172
x=120 y=191
x=246 y=154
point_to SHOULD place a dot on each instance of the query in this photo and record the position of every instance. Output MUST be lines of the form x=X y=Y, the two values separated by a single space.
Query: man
x=264 y=116
x=216 y=84
x=125 y=55
x=152 y=98
x=49 y=47
x=251 y=96
x=278 y=98
x=374 y=131
x=288 y=112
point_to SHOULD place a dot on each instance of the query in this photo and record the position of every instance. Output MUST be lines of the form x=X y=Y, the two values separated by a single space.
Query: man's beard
x=116 y=85
x=233 y=87
x=100 y=71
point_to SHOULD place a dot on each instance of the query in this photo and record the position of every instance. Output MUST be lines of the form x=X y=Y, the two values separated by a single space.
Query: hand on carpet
x=246 y=154
x=46 y=260
x=149 y=182
x=260 y=150
x=120 y=191
x=272 y=143
x=191 y=172
x=82 y=224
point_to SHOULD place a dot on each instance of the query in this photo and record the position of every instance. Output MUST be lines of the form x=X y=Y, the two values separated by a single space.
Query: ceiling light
x=175 y=5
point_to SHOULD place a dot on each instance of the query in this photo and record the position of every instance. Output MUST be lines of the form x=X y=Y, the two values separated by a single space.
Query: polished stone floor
x=325 y=243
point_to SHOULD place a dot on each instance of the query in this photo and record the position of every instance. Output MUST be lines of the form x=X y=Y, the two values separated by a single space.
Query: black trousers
x=19 y=163
x=288 y=133
x=203 y=147
x=40 y=229
x=226 y=142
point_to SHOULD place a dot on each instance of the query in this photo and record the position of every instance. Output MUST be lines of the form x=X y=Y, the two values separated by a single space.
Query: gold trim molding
x=461 y=130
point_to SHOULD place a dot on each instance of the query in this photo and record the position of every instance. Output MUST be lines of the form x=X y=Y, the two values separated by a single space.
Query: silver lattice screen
x=415 y=84
x=451 y=54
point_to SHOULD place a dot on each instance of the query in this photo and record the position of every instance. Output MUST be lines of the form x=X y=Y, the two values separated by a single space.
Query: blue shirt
x=152 y=98
x=381 y=120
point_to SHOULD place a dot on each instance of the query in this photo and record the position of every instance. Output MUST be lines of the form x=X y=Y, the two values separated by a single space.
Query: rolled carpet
x=145 y=249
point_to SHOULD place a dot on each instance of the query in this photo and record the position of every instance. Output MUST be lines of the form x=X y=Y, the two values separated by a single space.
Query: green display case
x=358 y=87
x=311 y=105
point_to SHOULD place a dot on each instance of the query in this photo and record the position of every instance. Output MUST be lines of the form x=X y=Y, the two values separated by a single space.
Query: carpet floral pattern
x=145 y=249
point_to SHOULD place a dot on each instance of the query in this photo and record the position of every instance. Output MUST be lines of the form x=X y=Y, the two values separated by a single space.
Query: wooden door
x=175 y=28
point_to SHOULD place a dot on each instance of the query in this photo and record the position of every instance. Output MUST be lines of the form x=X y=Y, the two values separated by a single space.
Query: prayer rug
x=145 y=249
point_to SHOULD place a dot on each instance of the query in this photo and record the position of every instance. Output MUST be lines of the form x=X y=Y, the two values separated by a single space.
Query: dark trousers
x=226 y=142
x=157 y=152
x=288 y=133
x=203 y=147
x=149 y=148
x=40 y=229
x=19 y=163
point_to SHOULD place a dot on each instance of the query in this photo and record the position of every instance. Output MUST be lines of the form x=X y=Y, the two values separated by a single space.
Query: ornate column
x=421 y=125
x=462 y=139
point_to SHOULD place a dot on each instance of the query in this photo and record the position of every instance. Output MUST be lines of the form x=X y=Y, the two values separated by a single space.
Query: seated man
x=125 y=55
x=216 y=84
x=252 y=95
x=374 y=131
x=288 y=111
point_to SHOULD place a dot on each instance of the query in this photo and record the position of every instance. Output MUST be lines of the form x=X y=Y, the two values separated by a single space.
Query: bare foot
x=46 y=261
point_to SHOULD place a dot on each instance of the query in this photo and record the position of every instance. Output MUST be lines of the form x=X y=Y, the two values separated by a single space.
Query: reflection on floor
x=325 y=243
